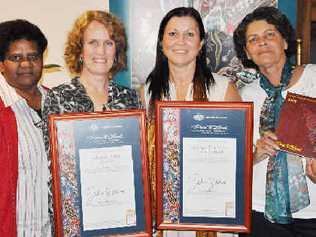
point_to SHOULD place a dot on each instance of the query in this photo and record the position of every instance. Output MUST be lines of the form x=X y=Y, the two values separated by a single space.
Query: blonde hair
x=74 y=44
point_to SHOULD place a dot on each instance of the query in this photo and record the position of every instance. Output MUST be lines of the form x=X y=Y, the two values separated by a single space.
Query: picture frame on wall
x=204 y=165
x=100 y=174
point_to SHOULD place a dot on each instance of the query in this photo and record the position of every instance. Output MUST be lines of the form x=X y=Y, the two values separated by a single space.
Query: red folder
x=296 y=130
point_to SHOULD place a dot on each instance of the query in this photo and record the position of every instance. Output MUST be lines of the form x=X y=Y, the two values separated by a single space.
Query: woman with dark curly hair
x=284 y=190
x=23 y=160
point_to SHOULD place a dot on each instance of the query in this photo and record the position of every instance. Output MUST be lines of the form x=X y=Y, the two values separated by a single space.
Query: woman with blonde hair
x=95 y=51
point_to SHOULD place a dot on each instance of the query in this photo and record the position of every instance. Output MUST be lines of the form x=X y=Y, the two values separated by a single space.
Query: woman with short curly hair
x=74 y=44
x=284 y=184
x=95 y=51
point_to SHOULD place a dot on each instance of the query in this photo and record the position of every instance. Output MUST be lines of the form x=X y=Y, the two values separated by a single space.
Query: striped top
x=32 y=189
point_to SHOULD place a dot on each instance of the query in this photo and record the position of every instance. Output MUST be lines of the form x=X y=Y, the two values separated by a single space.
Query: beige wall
x=55 y=19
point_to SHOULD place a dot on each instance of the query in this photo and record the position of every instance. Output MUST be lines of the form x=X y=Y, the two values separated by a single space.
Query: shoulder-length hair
x=274 y=17
x=74 y=44
x=159 y=76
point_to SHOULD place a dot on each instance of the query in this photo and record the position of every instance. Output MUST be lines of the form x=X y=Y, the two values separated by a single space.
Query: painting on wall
x=220 y=18
x=145 y=18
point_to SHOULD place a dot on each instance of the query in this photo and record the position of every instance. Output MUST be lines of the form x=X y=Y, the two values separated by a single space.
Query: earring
x=80 y=60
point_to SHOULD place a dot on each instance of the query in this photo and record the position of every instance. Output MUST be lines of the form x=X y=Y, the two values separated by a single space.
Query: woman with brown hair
x=181 y=72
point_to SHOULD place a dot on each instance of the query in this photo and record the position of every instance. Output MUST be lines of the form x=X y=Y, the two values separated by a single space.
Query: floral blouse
x=72 y=97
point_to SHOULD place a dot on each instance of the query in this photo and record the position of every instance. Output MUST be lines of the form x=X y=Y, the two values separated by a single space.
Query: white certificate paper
x=107 y=187
x=209 y=171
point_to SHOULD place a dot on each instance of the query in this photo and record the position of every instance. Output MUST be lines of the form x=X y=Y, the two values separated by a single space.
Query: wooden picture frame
x=100 y=174
x=204 y=165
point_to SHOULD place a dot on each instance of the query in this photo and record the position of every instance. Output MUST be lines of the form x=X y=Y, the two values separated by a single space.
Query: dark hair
x=271 y=15
x=159 y=76
x=19 y=29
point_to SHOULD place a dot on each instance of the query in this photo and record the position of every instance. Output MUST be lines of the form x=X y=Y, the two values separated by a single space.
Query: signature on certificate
x=200 y=184
x=103 y=196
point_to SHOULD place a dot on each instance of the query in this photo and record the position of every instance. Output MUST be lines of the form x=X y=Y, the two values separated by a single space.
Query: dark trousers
x=263 y=228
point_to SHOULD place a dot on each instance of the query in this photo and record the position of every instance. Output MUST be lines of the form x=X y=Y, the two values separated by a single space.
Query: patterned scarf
x=286 y=187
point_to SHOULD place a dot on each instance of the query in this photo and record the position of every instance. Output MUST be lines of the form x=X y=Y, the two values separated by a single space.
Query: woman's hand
x=266 y=147
x=311 y=169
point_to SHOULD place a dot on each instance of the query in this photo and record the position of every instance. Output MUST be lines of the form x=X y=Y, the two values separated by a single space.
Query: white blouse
x=216 y=92
x=253 y=92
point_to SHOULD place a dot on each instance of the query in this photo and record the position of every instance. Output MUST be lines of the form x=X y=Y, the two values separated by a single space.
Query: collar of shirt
x=8 y=94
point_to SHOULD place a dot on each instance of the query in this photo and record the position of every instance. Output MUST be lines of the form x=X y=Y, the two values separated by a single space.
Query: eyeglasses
x=19 y=58
x=268 y=35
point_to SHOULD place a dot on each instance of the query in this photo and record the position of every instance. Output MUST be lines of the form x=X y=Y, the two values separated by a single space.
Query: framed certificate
x=204 y=165
x=100 y=177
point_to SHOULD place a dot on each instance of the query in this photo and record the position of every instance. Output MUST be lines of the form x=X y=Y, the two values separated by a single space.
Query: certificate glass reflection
x=100 y=195
x=208 y=190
